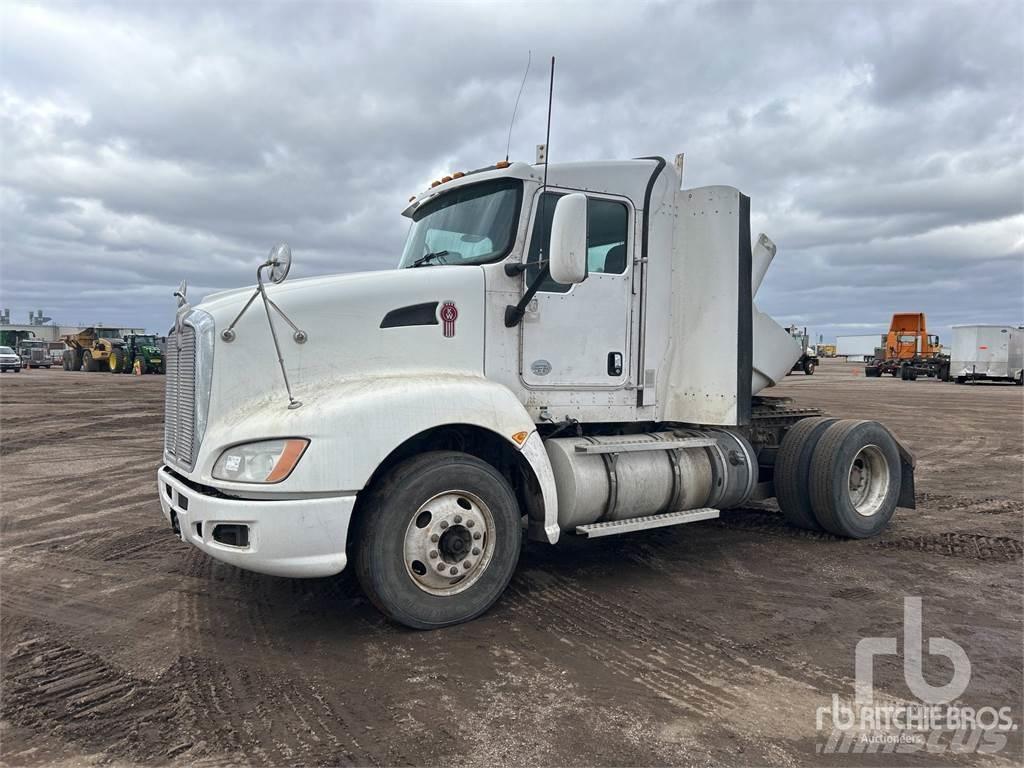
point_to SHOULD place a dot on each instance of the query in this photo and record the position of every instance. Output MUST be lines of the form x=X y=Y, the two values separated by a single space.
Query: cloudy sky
x=881 y=143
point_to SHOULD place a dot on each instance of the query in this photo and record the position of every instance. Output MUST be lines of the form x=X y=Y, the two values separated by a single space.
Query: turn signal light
x=520 y=437
x=502 y=164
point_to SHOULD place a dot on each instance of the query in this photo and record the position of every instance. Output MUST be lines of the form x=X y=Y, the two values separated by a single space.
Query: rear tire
x=452 y=496
x=76 y=359
x=793 y=468
x=855 y=479
x=88 y=363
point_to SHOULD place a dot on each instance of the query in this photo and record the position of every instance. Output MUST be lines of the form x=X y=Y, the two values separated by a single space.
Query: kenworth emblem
x=449 y=314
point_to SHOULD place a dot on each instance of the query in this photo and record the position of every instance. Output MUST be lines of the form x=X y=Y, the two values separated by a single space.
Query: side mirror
x=568 y=256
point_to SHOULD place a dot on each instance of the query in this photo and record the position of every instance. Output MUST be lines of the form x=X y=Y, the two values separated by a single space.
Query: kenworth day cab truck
x=581 y=358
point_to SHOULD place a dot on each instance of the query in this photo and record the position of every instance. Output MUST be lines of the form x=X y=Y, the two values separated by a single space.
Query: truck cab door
x=578 y=336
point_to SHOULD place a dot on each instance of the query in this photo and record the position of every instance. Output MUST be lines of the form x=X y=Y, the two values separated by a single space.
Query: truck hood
x=358 y=326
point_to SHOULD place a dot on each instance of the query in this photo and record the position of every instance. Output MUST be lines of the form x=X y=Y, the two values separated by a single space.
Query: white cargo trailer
x=987 y=353
x=570 y=349
x=858 y=348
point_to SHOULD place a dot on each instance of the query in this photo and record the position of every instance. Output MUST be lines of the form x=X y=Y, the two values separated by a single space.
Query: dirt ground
x=706 y=644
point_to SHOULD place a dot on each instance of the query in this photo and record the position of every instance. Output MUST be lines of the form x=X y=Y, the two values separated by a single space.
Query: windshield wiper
x=428 y=257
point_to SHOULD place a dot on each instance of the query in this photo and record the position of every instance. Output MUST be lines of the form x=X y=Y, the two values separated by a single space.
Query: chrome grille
x=180 y=398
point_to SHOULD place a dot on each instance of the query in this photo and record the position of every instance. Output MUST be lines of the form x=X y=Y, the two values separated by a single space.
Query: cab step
x=613 y=527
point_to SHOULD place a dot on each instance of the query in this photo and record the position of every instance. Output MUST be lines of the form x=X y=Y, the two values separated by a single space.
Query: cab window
x=607 y=239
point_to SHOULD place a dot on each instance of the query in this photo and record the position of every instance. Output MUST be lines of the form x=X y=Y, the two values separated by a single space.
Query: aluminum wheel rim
x=449 y=543
x=868 y=480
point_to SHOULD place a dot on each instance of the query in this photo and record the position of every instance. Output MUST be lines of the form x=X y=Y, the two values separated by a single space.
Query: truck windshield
x=469 y=225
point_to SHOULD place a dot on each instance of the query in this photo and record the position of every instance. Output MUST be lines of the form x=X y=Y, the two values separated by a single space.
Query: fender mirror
x=568 y=256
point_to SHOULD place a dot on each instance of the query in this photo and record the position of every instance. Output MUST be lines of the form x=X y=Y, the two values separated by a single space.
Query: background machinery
x=909 y=350
x=88 y=351
x=808 y=359
x=144 y=349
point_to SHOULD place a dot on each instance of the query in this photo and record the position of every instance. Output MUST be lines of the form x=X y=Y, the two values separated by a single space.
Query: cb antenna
x=529 y=58
x=547 y=136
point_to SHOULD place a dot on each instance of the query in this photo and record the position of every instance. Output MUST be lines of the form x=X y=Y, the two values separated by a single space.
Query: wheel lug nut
x=434 y=538
x=469 y=523
x=458 y=519
x=433 y=554
x=476 y=550
x=444 y=524
x=466 y=565
x=454 y=571
x=476 y=535
x=440 y=566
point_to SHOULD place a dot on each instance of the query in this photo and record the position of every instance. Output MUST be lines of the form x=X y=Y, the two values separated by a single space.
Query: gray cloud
x=881 y=143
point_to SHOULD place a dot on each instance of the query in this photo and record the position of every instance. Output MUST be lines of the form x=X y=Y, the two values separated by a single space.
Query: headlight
x=268 y=461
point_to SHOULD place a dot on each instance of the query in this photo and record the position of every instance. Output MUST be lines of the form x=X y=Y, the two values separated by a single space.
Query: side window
x=607 y=235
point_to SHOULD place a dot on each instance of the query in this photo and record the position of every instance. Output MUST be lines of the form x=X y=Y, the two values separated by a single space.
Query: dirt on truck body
x=712 y=643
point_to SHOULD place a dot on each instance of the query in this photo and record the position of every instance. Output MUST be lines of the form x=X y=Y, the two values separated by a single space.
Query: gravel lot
x=711 y=643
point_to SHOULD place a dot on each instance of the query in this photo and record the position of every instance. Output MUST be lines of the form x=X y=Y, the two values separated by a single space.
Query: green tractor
x=144 y=349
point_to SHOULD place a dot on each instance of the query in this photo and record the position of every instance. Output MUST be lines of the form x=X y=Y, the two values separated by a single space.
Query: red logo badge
x=449 y=314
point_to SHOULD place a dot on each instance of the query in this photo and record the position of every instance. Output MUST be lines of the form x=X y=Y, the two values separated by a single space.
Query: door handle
x=614 y=363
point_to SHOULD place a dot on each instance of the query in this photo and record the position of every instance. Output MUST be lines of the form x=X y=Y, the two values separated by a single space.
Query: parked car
x=9 y=360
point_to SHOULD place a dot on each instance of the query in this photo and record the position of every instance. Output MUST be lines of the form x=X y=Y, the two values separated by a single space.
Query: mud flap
x=907 y=464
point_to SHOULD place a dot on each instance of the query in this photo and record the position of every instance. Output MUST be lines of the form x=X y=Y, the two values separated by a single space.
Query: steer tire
x=833 y=500
x=389 y=520
x=808 y=367
x=792 y=471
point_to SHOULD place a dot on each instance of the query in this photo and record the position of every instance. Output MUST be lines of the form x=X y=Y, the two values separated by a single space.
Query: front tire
x=116 y=361
x=855 y=479
x=808 y=367
x=431 y=515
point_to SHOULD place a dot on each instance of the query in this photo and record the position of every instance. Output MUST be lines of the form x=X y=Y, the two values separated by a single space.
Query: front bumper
x=300 y=538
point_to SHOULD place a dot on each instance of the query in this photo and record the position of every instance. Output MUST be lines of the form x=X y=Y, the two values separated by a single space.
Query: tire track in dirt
x=289 y=717
x=966 y=545
x=694 y=676
x=77 y=697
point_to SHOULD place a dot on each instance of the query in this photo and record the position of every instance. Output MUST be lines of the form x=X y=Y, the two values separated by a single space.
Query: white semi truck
x=563 y=350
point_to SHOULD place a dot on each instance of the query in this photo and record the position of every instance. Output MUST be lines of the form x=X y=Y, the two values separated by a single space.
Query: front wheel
x=438 y=539
x=808 y=367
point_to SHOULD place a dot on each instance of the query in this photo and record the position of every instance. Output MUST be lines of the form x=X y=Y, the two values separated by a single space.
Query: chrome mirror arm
x=298 y=336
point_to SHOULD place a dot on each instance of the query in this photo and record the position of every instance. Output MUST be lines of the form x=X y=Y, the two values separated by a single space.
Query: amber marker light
x=293 y=450
x=520 y=437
